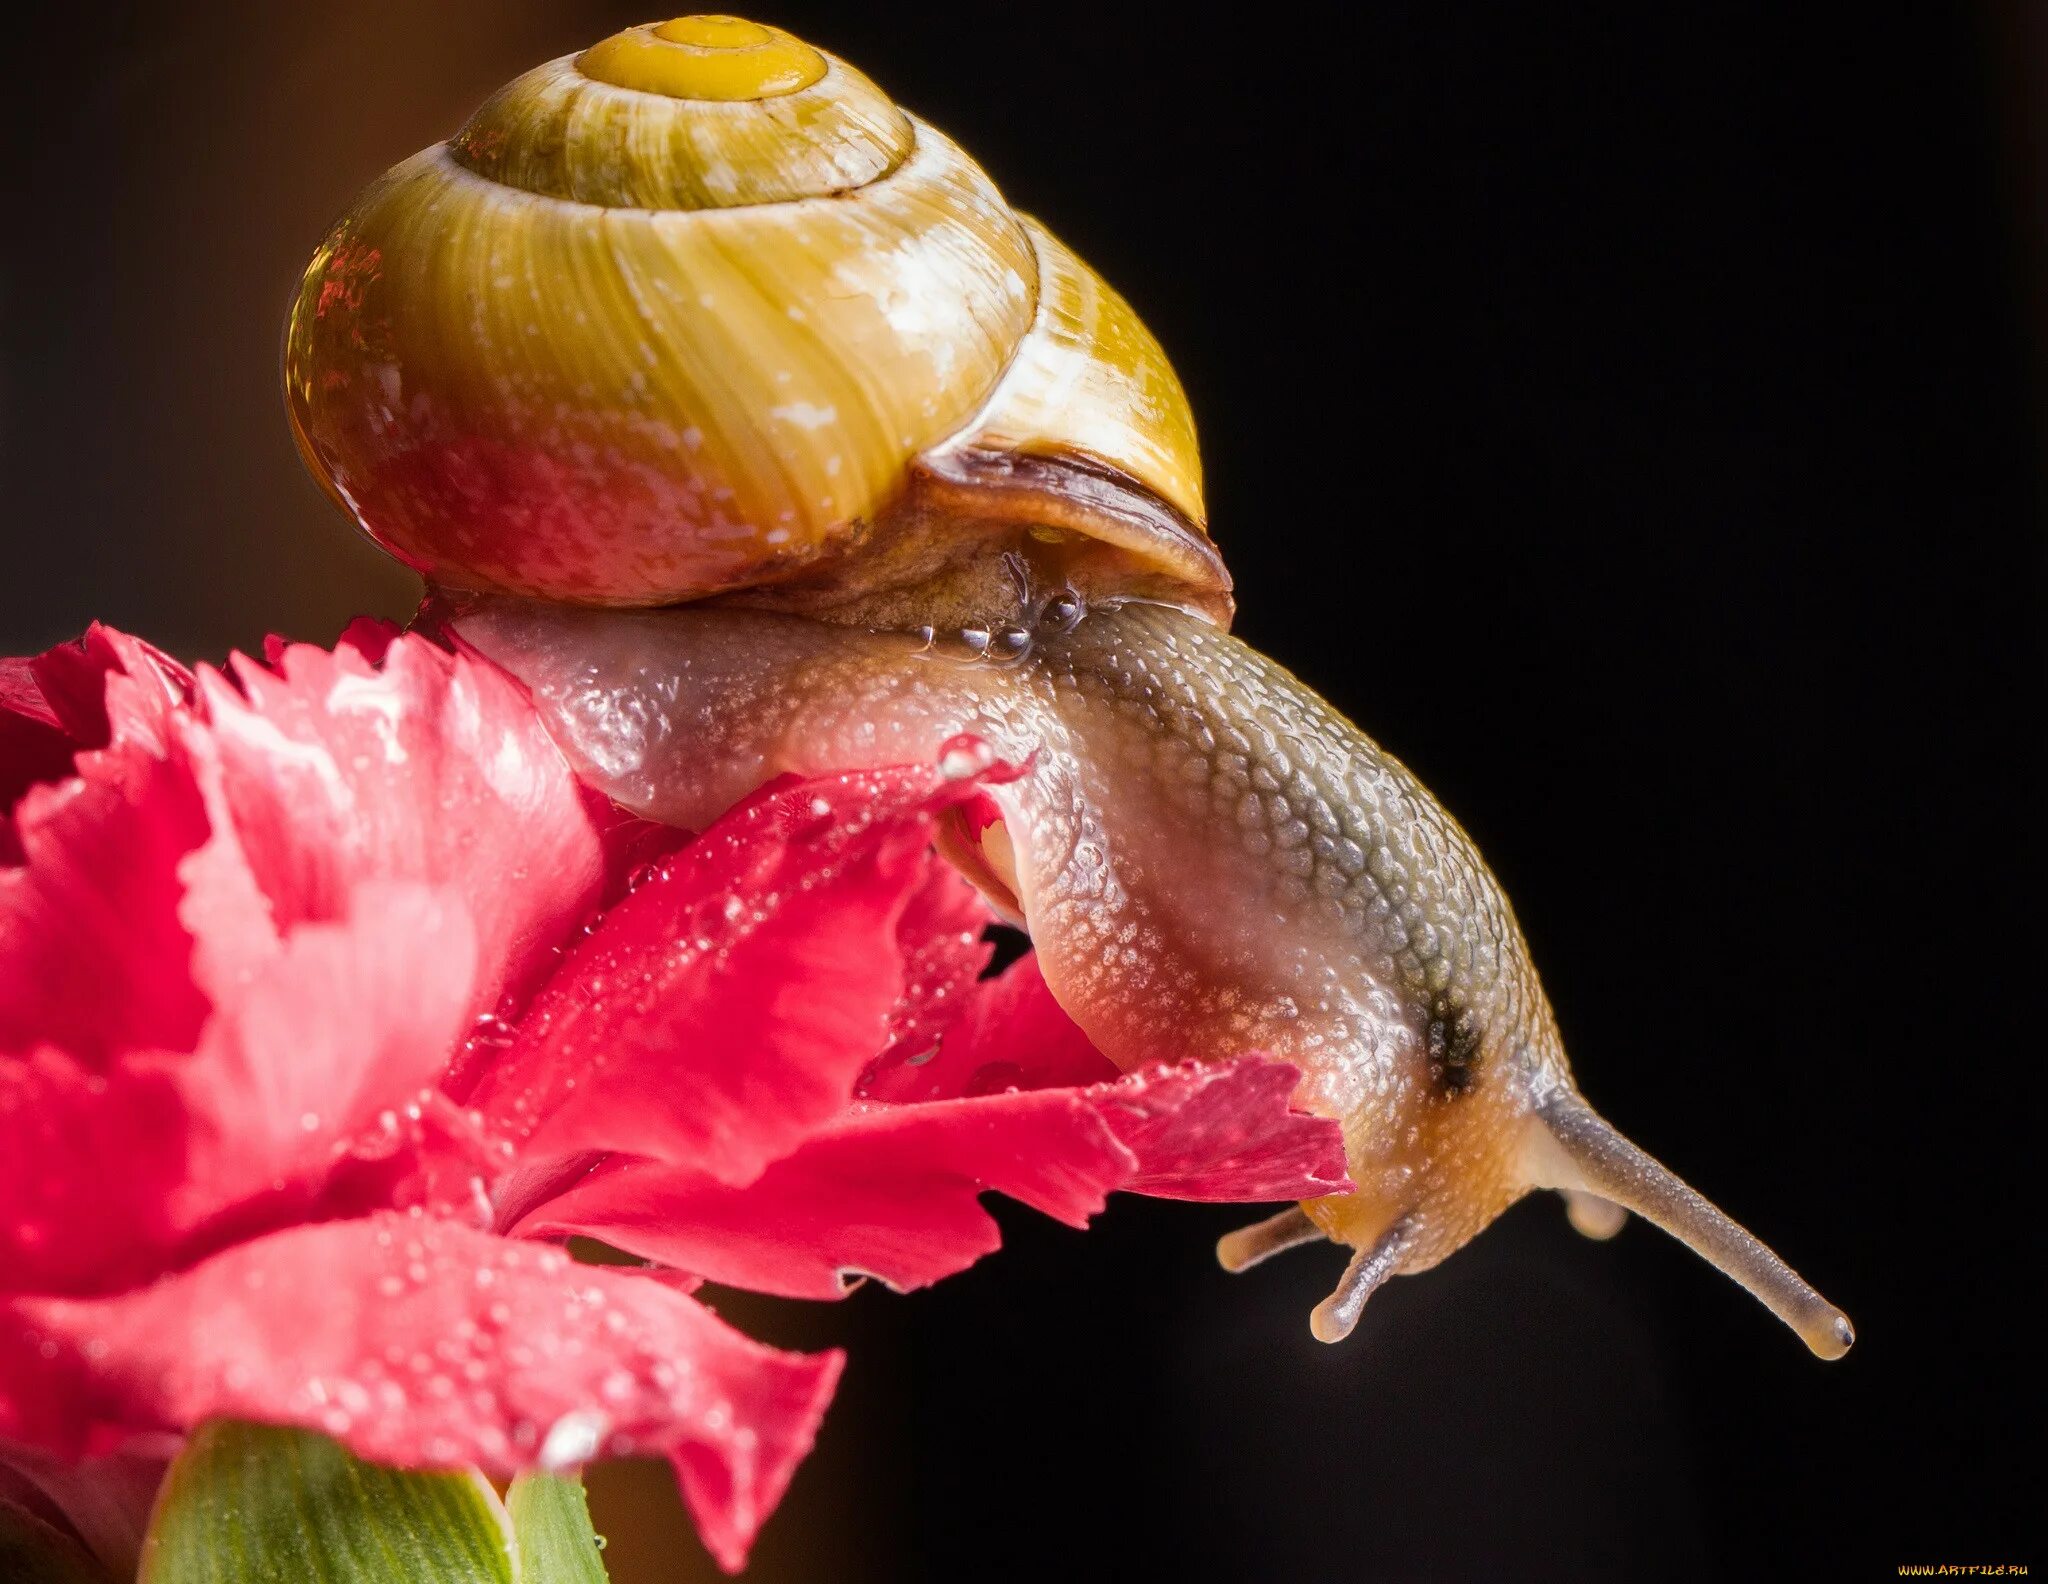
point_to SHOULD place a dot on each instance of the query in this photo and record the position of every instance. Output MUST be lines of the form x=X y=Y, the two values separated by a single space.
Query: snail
x=731 y=408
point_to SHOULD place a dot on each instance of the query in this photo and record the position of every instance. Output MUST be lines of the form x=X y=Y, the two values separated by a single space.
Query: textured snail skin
x=1208 y=857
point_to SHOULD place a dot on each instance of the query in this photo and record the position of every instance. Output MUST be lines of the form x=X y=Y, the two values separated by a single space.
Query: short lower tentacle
x=1333 y=1319
x=1248 y=1246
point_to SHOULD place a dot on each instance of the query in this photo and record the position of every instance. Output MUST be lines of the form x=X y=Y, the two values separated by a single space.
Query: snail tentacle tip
x=1328 y=1323
x=1250 y=1245
x=1593 y=1217
x=1336 y=1316
x=1833 y=1337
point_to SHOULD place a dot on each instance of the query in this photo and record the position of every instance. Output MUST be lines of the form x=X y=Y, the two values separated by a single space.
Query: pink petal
x=93 y=955
x=21 y=697
x=940 y=936
x=338 y=1023
x=87 y=1168
x=890 y=1191
x=261 y=1021
x=108 y=1177
x=34 y=746
x=369 y=636
x=1216 y=1131
x=1223 y=1131
x=724 y=1008
x=88 y=889
x=1007 y=1033
x=419 y=1343
x=106 y=688
x=332 y=771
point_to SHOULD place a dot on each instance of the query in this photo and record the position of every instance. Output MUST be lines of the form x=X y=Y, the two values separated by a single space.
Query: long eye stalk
x=1577 y=1150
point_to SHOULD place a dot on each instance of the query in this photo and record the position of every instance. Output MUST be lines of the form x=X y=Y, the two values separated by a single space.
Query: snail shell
x=700 y=310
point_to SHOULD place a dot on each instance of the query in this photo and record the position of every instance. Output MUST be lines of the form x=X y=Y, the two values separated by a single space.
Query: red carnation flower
x=331 y=1004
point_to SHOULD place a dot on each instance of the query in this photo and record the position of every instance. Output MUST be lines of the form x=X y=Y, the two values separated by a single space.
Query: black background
x=1627 y=413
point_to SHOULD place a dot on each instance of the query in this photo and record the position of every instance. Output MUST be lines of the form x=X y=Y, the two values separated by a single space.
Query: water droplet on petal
x=573 y=1439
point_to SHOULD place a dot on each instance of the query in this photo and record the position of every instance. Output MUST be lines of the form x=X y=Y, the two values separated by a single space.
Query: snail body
x=983 y=520
x=1364 y=940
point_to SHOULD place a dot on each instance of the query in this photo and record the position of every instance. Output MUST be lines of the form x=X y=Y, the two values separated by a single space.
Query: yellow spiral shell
x=700 y=309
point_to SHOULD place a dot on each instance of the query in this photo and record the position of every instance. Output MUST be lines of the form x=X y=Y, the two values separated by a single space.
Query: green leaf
x=257 y=1504
x=551 y=1517
x=32 y=1549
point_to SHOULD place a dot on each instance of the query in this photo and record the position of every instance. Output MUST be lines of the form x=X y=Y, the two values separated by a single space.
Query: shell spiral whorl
x=638 y=122
x=701 y=309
